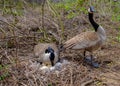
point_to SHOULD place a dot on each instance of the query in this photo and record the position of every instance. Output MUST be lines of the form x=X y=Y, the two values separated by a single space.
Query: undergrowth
x=3 y=72
x=68 y=9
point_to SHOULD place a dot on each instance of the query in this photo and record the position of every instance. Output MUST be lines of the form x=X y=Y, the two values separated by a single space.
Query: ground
x=19 y=60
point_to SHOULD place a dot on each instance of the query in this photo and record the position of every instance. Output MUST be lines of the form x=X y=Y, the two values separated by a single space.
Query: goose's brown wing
x=82 y=40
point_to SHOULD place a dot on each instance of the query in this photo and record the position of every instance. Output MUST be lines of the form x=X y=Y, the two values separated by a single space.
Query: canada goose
x=88 y=41
x=46 y=53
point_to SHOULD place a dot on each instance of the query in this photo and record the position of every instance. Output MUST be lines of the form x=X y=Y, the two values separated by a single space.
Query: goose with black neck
x=46 y=53
x=88 y=41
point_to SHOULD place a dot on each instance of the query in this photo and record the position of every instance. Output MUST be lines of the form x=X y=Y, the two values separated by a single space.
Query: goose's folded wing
x=82 y=40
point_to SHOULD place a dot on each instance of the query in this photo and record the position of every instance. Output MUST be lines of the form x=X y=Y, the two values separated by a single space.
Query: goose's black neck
x=52 y=57
x=94 y=24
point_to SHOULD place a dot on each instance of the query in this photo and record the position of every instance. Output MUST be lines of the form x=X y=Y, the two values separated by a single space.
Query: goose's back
x=82 y=41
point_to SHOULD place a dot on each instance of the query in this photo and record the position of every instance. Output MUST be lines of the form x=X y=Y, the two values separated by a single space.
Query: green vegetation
x=70 y=8
x=116 y=11
x=12 y=7
x=118 y=38
x=3 y=72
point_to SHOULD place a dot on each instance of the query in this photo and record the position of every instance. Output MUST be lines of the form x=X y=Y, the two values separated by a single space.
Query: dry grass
x=28 y=32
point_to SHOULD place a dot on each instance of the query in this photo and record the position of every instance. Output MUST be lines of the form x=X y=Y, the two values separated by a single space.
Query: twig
x=23 y=84
x=55 y=35
x=43 y=4
x=1 y=29
x=53 y=10
x=5 y=21
x=13 y=32
x=6 y=54
x=71 y=77
x=87 y=82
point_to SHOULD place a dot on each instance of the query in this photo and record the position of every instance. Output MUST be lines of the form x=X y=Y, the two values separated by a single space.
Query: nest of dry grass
x=24 y=73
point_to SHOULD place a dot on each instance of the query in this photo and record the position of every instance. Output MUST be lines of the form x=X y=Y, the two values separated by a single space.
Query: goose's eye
x=46 y=51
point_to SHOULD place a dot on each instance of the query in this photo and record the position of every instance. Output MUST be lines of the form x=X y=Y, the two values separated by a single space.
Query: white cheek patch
x=46 y=57
x=88 y=9
x=47 y=54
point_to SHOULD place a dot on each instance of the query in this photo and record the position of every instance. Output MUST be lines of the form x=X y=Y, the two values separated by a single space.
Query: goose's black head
x=91 y=9
x=49 y=50
x=90 y=13
x=52 y=55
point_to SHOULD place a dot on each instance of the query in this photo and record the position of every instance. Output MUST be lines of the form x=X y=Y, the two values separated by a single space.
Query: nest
x=31 y=73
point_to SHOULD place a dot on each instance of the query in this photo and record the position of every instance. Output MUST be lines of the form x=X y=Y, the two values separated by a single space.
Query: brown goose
x=88 y=41
x=46 y=53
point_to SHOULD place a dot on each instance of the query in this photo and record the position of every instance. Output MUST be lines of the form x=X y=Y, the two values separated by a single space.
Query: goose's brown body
x=88 y=41
x=39 y=52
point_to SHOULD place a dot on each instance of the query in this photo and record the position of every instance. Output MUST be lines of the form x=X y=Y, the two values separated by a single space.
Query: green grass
x=3 y=72
x=11 y=7
x=72 y=7
x=116 y=11
x=118 y=38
